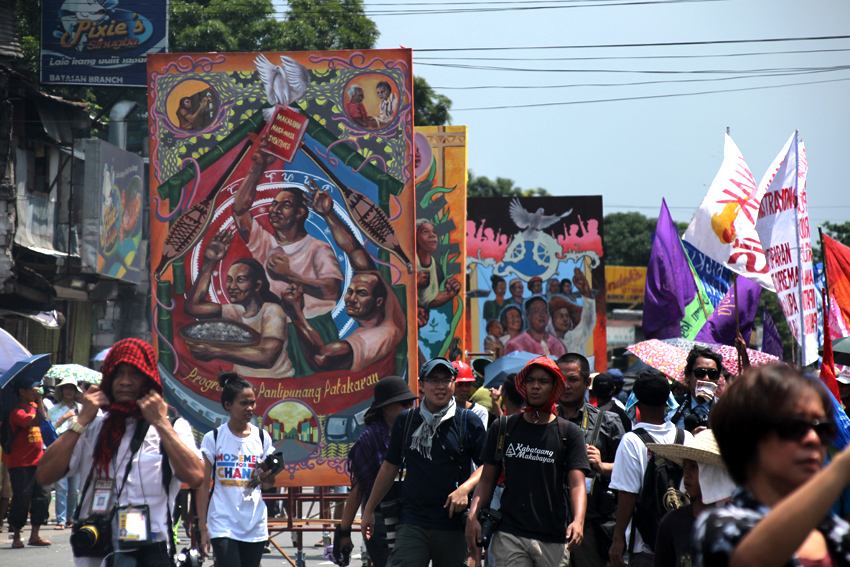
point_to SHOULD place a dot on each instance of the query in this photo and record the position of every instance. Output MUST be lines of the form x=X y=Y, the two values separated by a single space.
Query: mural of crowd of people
x=537 y=275
x=284 y=227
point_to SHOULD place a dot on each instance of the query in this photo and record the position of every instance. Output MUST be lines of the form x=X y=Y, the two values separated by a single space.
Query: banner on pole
x=783 y=229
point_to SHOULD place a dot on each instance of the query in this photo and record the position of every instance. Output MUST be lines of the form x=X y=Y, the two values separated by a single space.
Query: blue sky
x=636 y=152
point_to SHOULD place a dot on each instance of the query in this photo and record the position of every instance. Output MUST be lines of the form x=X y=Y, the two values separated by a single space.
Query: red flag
x=827 y=368
x=837 y=261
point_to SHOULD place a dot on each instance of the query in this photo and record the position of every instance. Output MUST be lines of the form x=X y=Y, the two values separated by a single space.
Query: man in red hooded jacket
x=538 y=445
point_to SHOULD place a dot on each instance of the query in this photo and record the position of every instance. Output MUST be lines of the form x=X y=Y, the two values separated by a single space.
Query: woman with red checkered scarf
x=119 y=458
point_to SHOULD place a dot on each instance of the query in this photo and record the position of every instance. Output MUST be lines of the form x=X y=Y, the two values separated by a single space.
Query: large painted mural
x=545 y=246
x=282 y=239
x=440 y=169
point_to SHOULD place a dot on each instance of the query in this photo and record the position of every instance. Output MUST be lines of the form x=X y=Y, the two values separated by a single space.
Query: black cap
x=652 y=388
x=435 y=363
x=603 y=385
x=390 y=390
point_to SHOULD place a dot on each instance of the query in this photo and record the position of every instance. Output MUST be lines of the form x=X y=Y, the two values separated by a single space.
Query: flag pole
x=826 y=299
x=802 y=359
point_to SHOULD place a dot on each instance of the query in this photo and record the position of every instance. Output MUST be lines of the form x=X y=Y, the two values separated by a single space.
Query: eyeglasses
x=796 y=428
x=440 y=381
x=712 y=373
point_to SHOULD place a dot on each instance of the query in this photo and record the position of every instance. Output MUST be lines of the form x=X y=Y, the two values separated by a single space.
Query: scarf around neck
x=423 y=437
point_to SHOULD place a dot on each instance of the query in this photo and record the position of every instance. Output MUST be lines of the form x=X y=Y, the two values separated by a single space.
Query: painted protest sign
x=101 y=42
x=440 y=160
x=298 y=276
x=514 y=245
x=783 y=228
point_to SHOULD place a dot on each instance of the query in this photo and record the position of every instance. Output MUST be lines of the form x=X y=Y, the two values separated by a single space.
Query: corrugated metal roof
x=10 y=46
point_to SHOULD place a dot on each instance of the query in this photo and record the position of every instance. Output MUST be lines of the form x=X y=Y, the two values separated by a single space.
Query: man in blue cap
x=437 y=443
x=28 y=497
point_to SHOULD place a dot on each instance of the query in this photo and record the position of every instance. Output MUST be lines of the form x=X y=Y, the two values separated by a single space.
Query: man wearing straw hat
x=705 y=481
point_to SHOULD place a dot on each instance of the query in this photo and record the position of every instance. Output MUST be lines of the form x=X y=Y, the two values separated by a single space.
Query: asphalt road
x=60 y=553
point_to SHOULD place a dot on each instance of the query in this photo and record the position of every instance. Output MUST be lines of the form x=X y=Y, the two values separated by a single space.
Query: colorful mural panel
x=440 y=169
x=547 y=246
x=282 y=239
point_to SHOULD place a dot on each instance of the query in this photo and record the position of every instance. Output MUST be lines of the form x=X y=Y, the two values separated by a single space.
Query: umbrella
x=79 y=373
x=11 y=351
x=496 y=372
x=29 y=370
x=841 y=351
x=670 y=356
x=101 y=356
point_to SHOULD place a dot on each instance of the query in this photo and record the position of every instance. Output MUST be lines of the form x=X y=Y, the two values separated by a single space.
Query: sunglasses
x=796 y=428
x=712 y=373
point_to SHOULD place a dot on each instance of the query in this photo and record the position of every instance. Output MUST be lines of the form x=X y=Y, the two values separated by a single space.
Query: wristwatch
x=76 y=427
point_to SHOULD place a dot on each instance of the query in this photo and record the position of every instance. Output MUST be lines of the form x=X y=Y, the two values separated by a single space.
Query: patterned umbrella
x=79 y=373
x=671 y=355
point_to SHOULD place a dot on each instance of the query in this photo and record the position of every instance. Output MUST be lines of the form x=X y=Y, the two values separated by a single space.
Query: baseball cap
x=652 y=388
x=434 y=364
x=603 y=385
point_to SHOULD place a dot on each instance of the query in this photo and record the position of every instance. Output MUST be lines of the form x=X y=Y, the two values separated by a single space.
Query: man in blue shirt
x=437 y=444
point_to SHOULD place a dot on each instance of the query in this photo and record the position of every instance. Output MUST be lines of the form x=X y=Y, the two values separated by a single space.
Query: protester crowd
x=552 y=469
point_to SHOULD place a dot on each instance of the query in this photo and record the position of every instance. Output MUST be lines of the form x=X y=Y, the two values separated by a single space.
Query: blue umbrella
x=23 y=373
x=496 y=372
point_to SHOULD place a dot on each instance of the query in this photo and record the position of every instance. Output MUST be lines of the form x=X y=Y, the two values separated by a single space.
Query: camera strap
x=135 y=445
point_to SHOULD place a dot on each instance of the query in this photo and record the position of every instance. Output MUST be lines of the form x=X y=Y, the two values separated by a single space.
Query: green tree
x=223 y=25
x=322 y=25
x=481 y=186
x=627 y=240
x=429 y=108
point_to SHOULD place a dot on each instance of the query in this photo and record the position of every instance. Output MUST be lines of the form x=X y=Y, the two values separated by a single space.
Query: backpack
x=659 y=493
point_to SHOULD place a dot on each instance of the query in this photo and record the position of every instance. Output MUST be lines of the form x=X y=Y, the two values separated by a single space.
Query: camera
x=489 y=520
x=274 y=462
x=391 y=511
x=92 y=537
x=188 y=558
x=692 y=421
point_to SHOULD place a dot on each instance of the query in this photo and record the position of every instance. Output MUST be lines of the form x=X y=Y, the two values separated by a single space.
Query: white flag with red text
x=783 y=229
x=723 y=227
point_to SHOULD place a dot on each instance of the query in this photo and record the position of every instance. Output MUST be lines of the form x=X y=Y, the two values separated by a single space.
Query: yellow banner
x=625 y=284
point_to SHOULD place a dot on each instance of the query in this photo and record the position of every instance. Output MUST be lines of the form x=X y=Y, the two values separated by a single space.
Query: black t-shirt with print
x=536 y=461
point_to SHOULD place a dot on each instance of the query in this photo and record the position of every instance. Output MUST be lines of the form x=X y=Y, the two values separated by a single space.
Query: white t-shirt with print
x=630 y=466
x=235 y=512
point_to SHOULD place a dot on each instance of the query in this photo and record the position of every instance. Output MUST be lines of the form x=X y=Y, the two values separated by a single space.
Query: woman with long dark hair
x=251 y=303
x=773 y=427
x=232 y=517
x=364 y=461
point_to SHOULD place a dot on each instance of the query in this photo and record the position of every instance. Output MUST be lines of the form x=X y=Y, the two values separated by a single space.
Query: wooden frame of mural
x=282 y=239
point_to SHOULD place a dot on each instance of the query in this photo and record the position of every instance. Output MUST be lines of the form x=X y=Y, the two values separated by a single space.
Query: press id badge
x=134 y=526
x=100 y=502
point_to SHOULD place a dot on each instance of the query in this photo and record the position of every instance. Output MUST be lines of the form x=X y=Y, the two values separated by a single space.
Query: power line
x=626 y=57
x=647 y=97
x=633 y=84
x=639 y=71
x=623 y=45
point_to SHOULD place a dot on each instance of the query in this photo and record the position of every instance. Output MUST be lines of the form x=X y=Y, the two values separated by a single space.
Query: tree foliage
x=481 y=186
x=627 y=240
x=429 y=108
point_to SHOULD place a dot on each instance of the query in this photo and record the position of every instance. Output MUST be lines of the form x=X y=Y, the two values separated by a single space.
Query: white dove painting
x=532 y=223
x=284 y=83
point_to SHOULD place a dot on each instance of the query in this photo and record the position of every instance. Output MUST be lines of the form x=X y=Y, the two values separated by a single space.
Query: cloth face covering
x=139 y=354
x=423 y=436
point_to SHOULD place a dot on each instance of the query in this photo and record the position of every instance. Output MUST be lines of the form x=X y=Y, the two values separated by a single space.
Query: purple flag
x=771 y=343
x=720 y=327
x=670 y=284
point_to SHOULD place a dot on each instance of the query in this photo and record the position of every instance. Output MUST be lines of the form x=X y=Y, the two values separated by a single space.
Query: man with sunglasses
x=436 y=444
x=702 y=373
